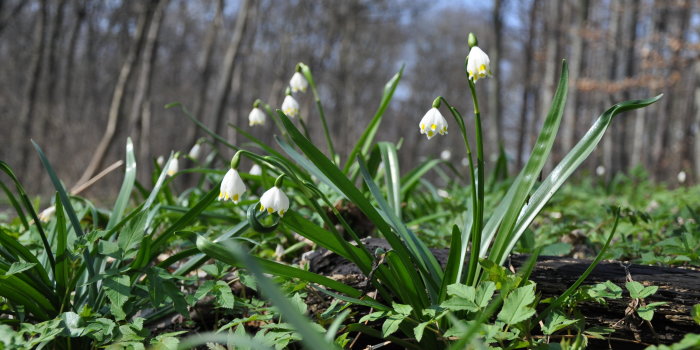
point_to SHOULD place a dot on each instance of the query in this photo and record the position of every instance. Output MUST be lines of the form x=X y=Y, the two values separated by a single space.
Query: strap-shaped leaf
x=568 y=165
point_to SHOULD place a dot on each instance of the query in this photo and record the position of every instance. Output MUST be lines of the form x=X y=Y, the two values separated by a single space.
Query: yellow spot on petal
x=281 y=212
x=262 y=207
x=270 y=210
x=422 y=126
x=482 y=68
x=433 y=126
x=235 y=197
x=430 y=133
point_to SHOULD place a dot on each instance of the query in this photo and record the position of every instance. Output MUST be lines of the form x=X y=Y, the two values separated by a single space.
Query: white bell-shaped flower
x=290 y=106
x=46 y=214
x=255 y=170
x=433 y=123
x=256 y=117
x=173 y=167
x=194 y=152
x=274 y=200
x=232 y=186
x=478 y=64
x=298 y=82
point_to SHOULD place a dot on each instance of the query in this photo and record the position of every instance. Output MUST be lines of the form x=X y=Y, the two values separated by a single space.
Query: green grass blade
x=530 y=172
x=200 y=125
x=585 y=274
x=452 y=268
x=365 y=141
x=410 y=180
x=127 y=186
x=62 y=273
x=330 y=173
x=184 y=220
x=423 y=258
x=16 y=205
x=569 y=164
x=391 y=175
x=222 y=252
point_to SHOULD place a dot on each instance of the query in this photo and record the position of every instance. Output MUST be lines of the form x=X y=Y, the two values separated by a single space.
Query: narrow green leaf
x=18 y=267
x=391 y=176
x=127 y=186
x=451 y=268
x=365 y=141
x=528 y=176
x=569 y=164
x=220 y=252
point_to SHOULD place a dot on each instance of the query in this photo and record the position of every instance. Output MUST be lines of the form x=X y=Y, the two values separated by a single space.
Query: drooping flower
x=46 y=214
x=194 y=151
x=274 y=200
x=433 y=123
x=232 y=186
x=173 y=167
x=478 y=64
x=256 y=117
x=298 y=82
x=290 y=106
x=160 y=160
x=682 y=176
x=255 y=170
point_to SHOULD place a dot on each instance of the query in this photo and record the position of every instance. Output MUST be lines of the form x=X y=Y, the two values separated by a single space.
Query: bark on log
x=679 y=287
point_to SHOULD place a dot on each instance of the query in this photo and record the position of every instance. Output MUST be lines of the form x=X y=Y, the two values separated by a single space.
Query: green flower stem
x=476 y=229
x=478 y=224
x=303 y=127
x=273 y=116
x=307 y=74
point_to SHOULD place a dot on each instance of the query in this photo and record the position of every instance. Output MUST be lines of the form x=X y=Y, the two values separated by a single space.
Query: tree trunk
x=80 y=14
x=115 y=108
x=608 y=97
x=143 y=84
x=51 y=122
x=204 y=65
x=224 y=87
x=527 y=85
x=26 y=115
x=495 y=130
x=569 y=127
x=5 y=19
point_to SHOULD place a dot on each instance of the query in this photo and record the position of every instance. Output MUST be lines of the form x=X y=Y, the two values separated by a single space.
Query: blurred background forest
x=79 y=76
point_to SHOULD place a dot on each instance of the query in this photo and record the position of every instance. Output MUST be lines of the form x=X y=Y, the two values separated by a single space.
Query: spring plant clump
x=225 y=258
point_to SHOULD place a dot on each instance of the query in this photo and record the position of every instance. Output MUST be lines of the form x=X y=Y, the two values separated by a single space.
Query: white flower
x=274 y=200
x=232 y=186
x=160 y=160
x=290 y=106
x=445 y=155
x=433 y=123
x=478 y=64
x=194 y=152
x=255 y=170
x=173 y=167
x=256 y=117
x=682 y=176
x=600 y=170
x=47 y=213
x=298 y=82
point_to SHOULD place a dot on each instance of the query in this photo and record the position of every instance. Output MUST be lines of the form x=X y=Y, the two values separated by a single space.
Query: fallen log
x=678 y=287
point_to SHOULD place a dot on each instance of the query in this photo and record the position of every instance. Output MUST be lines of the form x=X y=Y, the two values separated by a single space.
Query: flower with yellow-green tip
x=274 y=201
x=478 y=64
x=173 y=167
x=298 y=82
x=433 y=123
x=290 y=106
x=256 y=117
x=46 y=214
x=232 y=186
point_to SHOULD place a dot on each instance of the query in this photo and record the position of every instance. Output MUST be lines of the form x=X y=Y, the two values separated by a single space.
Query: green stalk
x=307 y=74
x=478 y=224
x=462 y=128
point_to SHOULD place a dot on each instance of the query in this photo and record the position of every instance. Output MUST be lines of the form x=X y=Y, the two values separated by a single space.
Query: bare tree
x=224 y=85
x=115 y=108
x=32 y=88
